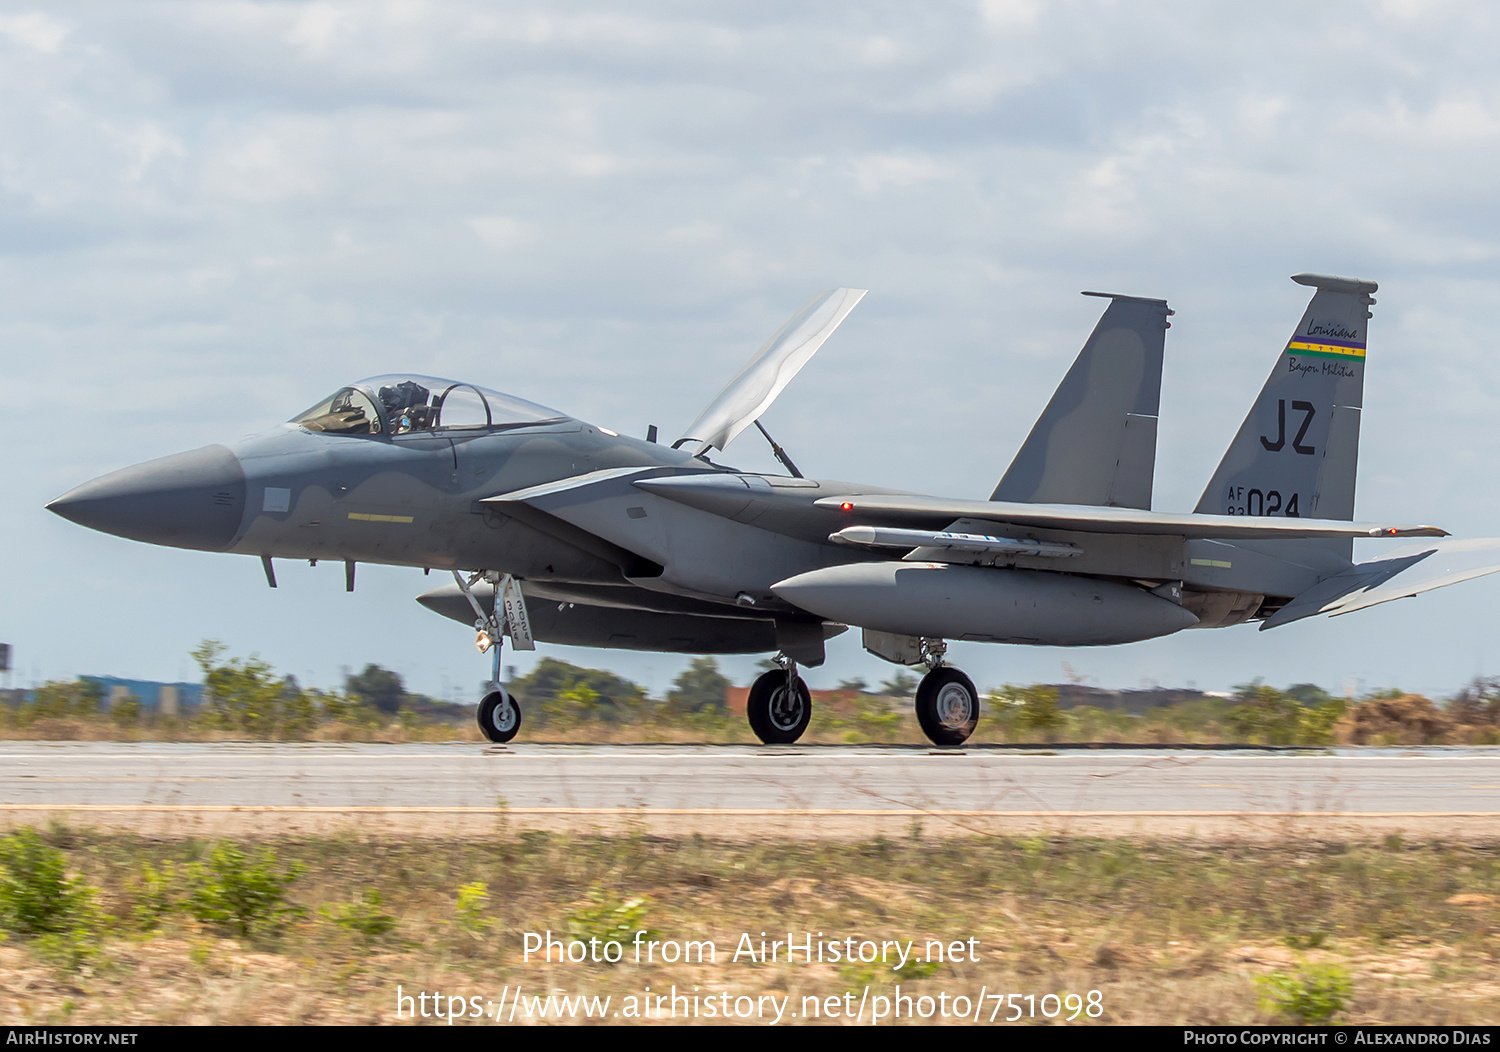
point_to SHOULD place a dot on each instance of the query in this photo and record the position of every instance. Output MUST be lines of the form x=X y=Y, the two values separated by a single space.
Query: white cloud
x=148 y=144
x=498 y=231
x=271 y=164
x=875 y=172
x=1010 y=14
x=34 y=30
x=315 y=27
x=1448 y=122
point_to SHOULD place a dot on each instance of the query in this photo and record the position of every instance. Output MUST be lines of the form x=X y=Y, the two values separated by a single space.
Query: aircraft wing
x=546 y=507
x=1403 y=573
x=756 y=386
x=938 y=512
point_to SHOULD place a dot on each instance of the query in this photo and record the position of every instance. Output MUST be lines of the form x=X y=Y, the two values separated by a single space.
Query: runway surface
x=810 y=790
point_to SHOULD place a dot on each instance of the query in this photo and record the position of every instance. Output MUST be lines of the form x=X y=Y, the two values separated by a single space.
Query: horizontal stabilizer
x=1404 y=573
x=938 y=511
x=751 y=392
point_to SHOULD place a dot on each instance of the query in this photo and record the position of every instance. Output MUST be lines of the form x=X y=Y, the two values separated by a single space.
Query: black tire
x=776 y=717
x=947 y=706
x=499 y=716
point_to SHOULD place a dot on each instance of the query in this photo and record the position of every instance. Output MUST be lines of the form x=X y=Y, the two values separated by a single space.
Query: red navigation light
x=846 y=506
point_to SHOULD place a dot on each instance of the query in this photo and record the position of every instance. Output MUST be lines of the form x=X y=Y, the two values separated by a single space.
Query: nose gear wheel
x=499 y=716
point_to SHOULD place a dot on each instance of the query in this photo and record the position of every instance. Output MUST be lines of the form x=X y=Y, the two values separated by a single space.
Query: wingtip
x=1408 y=531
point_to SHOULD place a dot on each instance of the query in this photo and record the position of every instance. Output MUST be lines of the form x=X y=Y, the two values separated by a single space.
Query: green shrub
x=60 y=699
x=67 y=950
x=237 y=893
x=247 y=696
x=471 y=908
x=37 y=896
x=1277 y=718
x=126 y=711
x=915 y=969
x=875 y=718
x=611 y=919
x=1312 y=994
x=153 y=895
x=362 y=914
x=1031 y=709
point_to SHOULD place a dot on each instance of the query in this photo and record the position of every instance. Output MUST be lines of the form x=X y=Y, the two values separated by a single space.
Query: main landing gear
x=779 y=706
x=947 y=706
x=947 y=703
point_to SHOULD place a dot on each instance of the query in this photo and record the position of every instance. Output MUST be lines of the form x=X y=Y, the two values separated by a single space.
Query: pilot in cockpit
x=406 y=405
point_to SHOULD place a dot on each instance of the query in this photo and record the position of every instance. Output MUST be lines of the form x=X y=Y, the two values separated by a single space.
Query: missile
x=890 y=537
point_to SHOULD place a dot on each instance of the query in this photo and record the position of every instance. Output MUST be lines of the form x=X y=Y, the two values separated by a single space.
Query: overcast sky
x=213 y=214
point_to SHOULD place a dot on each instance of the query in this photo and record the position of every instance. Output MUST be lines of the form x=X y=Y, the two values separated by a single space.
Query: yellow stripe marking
x=1220 y=563
x=1326 y=348
x=362 y=516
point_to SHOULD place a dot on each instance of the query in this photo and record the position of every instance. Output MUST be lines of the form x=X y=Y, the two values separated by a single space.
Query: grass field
x=326 y=930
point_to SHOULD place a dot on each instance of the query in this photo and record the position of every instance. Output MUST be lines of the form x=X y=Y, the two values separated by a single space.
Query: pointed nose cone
x=188 y=500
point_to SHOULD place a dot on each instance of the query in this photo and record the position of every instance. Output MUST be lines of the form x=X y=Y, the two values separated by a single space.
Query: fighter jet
x=562 y=531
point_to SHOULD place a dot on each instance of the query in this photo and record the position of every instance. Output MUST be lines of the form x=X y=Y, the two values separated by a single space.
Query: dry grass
x=102 y=729
x=1168 y=932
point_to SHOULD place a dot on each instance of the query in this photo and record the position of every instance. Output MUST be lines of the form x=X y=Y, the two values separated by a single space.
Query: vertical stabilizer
x=1296 y=452
x=1095 y=443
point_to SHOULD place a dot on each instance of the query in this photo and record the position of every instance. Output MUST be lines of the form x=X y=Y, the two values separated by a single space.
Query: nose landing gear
x=499 y=714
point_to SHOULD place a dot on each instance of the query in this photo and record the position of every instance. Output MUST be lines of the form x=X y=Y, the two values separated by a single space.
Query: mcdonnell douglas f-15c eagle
x=566 y=532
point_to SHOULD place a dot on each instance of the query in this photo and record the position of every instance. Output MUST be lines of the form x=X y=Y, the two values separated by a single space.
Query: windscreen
x=400 y=405
x=347 y=411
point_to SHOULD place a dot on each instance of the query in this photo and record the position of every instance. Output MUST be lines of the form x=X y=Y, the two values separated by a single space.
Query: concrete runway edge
x=198 y=821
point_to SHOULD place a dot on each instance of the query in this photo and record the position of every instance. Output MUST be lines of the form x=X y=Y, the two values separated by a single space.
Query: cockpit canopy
x=399 y=405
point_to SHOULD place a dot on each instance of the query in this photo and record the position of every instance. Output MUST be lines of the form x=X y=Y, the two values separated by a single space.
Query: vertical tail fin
x=1296 y=452
x=1095 y=443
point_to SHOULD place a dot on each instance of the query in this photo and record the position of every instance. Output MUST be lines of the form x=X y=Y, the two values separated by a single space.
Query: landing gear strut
x=499 y=714
x=779 y=706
